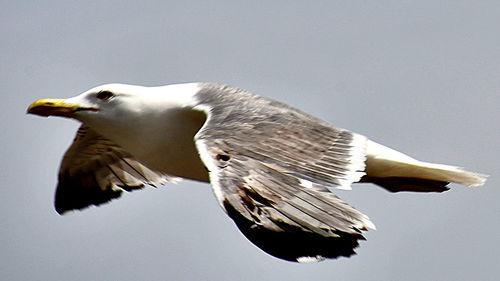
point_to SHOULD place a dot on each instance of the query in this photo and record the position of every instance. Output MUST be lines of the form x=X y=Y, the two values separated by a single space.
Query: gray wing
x=94 y=171
x=270 y=167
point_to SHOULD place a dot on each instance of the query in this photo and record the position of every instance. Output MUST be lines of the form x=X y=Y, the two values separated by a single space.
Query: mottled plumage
x=271 y=166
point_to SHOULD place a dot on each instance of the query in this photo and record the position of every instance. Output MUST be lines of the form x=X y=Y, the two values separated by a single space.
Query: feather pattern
x=258 y=161
x=94 y=171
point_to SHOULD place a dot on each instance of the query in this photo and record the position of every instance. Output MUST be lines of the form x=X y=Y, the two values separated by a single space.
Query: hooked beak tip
x=48 y=107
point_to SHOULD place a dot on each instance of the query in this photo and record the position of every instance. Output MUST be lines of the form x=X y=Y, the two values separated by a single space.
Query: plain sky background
x=422 y=77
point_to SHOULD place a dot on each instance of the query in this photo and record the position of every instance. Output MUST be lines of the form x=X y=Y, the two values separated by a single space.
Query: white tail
x=383 y=162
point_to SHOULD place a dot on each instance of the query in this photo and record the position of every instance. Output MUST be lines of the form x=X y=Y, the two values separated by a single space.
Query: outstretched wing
x=270 y=169
x=94 y=171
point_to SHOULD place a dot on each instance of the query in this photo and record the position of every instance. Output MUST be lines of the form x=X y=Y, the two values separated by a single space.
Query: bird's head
x=116 y=109
x=116 y=101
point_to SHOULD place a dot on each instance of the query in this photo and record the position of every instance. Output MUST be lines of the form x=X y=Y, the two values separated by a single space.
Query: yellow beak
x=56 y=107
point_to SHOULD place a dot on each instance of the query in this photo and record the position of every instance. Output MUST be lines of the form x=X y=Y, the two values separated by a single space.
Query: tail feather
x=386 y=167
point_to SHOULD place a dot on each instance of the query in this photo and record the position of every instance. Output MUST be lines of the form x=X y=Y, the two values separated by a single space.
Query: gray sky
x=420 y=77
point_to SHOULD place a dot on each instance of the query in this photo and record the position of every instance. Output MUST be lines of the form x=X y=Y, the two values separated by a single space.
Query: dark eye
x=104 y=95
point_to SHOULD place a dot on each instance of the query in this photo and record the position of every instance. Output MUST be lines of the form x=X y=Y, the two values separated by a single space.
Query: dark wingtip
x=74 y=196
x=399 y=184
x=295 y=245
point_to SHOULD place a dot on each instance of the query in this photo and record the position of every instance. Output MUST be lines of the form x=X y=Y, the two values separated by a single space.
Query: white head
x=125 y=113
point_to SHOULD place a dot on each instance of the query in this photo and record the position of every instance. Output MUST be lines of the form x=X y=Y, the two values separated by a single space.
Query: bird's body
x=270 y=165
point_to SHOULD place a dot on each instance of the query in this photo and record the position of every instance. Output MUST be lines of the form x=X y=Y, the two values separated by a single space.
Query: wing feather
x=94 y=171
x=259 y=154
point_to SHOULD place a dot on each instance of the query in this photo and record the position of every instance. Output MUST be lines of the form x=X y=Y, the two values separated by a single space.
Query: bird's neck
x=167 y=145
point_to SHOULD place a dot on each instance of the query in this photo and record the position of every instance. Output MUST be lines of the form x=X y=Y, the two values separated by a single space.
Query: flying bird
x=272 y=167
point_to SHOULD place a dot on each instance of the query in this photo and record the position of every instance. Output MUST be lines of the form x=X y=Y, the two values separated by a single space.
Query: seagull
x=272 y=167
